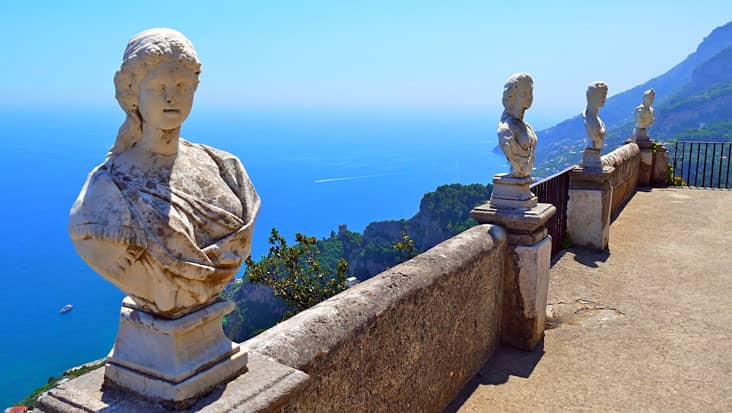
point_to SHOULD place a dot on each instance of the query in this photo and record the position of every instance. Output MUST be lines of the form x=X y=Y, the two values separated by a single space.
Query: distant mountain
x=695 y=93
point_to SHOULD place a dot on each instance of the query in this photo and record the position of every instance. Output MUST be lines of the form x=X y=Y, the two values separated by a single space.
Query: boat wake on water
x=350 y=178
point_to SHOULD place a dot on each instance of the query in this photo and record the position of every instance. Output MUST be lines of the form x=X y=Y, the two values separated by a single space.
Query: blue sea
x=314 y=169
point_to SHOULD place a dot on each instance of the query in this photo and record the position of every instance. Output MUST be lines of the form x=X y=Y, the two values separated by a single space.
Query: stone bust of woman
x=517 y=138
x=596 y=95
x=167 y=221
x=644 y=113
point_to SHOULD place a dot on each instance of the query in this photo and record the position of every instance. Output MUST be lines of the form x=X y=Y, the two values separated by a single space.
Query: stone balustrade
x=407 y=339
x=624 y=178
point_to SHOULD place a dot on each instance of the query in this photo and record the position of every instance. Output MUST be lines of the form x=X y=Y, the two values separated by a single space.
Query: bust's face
x=598 y=97
x=524 y=98
x=648 y=98
x=166 y=95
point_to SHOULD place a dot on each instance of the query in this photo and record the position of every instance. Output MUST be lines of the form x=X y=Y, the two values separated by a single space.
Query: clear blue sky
x=384 y=54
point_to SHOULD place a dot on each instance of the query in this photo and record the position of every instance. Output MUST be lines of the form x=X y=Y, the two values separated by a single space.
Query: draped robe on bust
x=193 y=233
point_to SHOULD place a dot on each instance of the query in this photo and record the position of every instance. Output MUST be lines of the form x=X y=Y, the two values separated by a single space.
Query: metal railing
x=555 y=190
x=701 y=164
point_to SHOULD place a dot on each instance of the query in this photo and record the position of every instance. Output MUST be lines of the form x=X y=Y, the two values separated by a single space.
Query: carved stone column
x=645 y=144
x=660 y=166
x=526 y=272
x=589 y=207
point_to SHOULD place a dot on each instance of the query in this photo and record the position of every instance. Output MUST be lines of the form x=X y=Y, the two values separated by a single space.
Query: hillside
x=695 y=93
x=442 y=214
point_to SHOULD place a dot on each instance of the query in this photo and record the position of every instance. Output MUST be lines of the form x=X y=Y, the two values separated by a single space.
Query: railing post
x=645 y=172
x=660 y=166
x=526 y=272
x=589 y=207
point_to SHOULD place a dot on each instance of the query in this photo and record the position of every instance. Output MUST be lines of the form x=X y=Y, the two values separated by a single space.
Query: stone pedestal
x=526 y=272
x=645 y=144
x=173 y=361
x=510 y=192
x=591 y=159
x=265 y=387
x=589 y=206
x=659 y=177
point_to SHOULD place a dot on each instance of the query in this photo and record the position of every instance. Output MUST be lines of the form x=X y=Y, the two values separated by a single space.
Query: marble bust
x=517 y=138
x=167 y=221
x=595 y=127
x=644 y=114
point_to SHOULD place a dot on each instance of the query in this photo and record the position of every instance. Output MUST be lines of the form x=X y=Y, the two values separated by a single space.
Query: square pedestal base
x=641 y=138
x=512 y=192
x=591 y=160
x=266 y=386
x=173 y=361
x=523 y=226
x=175 y=395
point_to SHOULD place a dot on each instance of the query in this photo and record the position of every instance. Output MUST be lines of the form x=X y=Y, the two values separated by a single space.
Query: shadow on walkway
x=589 y=257
x=505 y=362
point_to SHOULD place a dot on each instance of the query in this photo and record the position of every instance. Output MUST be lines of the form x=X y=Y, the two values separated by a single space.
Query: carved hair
x=649 y=94
x=595 y=86
x=512 y=86
x=144 y=52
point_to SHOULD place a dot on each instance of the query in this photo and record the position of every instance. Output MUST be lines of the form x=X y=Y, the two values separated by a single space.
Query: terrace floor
x=646 y=326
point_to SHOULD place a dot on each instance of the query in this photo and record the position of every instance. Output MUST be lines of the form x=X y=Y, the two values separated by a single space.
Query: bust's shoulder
x=512 y=126
x=101 y=210
x=215 y=153
x=506 y=126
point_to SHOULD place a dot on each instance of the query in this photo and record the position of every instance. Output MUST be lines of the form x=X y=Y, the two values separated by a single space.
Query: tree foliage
x=405 y=247
x=295 y=273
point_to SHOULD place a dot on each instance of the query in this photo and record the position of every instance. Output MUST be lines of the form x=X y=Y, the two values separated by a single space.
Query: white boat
x=66 y=308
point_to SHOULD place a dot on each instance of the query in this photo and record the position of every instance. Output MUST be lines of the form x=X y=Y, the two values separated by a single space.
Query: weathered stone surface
x=588 y=217
x=660 y=166
x=645 y=168
x=517 y=138
x=173 y=350
x=591 y=160
x=512 y=193
x=405 y=340
x=173 y=360
x=526 y=270
x=166 y=221
x=581 y=178
x=644 y=117
x=265 y=387
x=596 y=95
x=526 y=282
x=177 y=395
x=624 y=176
x=516 y=221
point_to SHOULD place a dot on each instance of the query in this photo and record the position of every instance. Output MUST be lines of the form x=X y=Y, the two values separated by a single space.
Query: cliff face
x=694 y=92
x=442 y=214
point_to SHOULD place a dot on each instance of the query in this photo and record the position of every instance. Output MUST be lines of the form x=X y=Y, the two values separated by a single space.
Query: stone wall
x=407 y=339
x=624 y=179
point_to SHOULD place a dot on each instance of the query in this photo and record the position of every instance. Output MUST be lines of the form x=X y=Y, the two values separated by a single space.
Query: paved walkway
x=645 y=327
